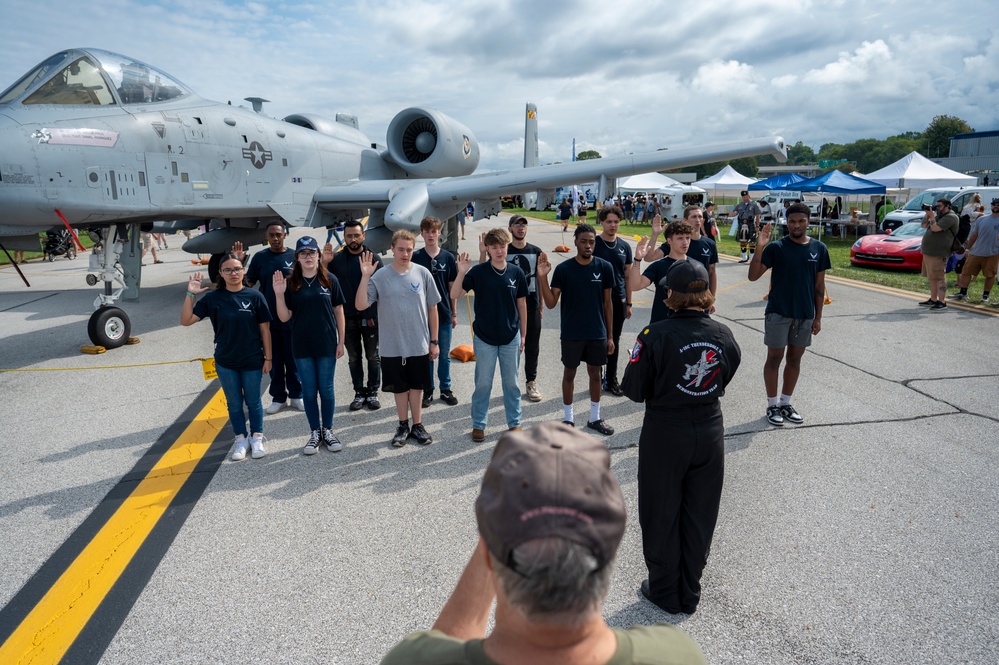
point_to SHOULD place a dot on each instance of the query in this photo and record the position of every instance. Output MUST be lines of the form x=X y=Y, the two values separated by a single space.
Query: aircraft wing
x=405 y=202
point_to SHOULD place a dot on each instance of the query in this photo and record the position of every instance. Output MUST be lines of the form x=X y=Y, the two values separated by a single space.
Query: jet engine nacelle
x=428 y=144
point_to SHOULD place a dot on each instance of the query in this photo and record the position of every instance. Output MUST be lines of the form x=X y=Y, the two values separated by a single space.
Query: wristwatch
x=434 y=342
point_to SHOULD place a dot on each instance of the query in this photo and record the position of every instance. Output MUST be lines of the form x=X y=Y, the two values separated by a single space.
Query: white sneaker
x=533 y=393
x=275 y=407
x=257 y=445
x=239 y=452
x=298 y=403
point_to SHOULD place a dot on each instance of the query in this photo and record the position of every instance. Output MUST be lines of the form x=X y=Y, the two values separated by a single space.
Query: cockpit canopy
x=94 y=78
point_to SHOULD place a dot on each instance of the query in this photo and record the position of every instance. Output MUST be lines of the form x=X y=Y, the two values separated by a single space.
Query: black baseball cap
x=687 y=277
x=518 y=219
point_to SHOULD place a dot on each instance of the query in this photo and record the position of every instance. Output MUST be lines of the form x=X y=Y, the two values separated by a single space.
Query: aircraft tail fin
x=531 y=199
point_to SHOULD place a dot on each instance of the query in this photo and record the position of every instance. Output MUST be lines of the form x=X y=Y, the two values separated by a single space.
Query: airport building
x=974 y=153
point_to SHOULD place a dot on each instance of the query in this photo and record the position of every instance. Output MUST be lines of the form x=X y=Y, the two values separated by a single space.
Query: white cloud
x=622 y=77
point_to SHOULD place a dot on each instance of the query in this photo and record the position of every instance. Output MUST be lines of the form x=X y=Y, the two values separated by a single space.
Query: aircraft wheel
x=214 y=264
x=109 y=327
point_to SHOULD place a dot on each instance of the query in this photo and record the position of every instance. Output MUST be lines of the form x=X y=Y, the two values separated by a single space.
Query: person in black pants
x=361 y=327
x=680 y=367
x=617 y=252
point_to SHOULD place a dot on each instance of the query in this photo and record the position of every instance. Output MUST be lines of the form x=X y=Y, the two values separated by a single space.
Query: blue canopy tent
x=838 y=182
x=779 y=181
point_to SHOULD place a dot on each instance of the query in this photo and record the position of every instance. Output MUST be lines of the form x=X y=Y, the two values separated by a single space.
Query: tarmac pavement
x=867 y=535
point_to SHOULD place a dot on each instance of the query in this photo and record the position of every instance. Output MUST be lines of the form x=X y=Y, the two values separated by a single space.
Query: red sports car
x=899 y=249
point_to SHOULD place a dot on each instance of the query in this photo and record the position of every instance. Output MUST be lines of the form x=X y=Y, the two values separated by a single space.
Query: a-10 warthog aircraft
x=95 y=140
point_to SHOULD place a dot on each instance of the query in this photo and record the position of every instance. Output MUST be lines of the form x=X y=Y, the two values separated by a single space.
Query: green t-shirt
x=938 y=243
x=661 y=644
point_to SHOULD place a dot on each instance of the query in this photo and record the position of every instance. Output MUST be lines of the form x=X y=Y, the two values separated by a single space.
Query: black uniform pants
x=532 y=345
x=681 y=465
x=284 y=373
x=357 y=332
x=618 y=324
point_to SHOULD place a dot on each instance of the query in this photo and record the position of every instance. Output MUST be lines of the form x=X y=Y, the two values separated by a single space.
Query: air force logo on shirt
x=415 y=286
x=596 y=277
x=288 y=265
x=706 y=252
x=513 y=283
x=325 y=291
x=244 y=306
x=814 y=257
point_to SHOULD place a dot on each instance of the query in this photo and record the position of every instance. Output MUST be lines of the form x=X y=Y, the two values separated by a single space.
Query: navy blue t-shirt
x=792 y=283
x=236 y=318
x=444 y=269
x=313 y=326
x=527 y=260
x=618 y=254
x=582 y=296
x=655 y=272
x=346 y=267
x=703 y=250
x=262 y=267
x=497 y=320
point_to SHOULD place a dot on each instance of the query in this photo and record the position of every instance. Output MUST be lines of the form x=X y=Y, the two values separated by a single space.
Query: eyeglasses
x=308 y=253
x=231 y=271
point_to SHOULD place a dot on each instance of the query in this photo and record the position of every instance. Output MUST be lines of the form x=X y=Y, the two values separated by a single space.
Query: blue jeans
x=486 y=357
x=444 y=331
x=317 y=376
x=241 y=386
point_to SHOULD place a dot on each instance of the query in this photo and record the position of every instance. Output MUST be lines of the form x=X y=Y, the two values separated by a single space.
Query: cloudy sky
x=620 y=76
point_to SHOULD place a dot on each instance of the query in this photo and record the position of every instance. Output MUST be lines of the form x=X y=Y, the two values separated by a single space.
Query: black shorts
x=591 y=351
x=400 y=375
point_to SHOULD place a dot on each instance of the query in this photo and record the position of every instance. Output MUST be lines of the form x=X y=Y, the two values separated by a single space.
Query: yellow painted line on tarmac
x=49 y=630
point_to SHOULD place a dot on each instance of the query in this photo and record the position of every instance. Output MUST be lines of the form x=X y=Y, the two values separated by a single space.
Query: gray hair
x=553 y=580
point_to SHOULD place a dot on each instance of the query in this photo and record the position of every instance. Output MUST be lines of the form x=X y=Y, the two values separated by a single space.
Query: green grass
x=839 y=256
x=35 y=256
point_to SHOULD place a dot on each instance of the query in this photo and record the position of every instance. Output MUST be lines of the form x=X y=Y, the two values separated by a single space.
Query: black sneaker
x=372 y=402
x=448 y=398
x=332 y=442
x=428 y=399
x=614 y=388
x=958 y=296
x=401 y=434
x=357 y=402
x=790 y=415
x=600 y=426
x=774 y=416
x=928 y=303
x=312 y=446
x=743 y=260
x=569 y=423
x=421 y=435
x=938 y=306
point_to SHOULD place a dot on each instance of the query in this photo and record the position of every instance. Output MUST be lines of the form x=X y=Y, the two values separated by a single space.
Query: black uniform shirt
x=684 y=360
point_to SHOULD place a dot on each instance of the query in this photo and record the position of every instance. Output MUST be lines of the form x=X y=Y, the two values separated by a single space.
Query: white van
x=959 y=197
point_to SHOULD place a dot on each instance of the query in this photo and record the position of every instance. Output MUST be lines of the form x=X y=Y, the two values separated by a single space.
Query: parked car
x=959 y=197
x=899 y=249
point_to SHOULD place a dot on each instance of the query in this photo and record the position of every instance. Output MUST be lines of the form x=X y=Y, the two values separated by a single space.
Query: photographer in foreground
x=550 y=517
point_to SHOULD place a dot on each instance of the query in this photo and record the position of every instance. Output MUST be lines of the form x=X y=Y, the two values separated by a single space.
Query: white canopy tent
x=645 y=182
x=726 y=181
x=915 y=172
